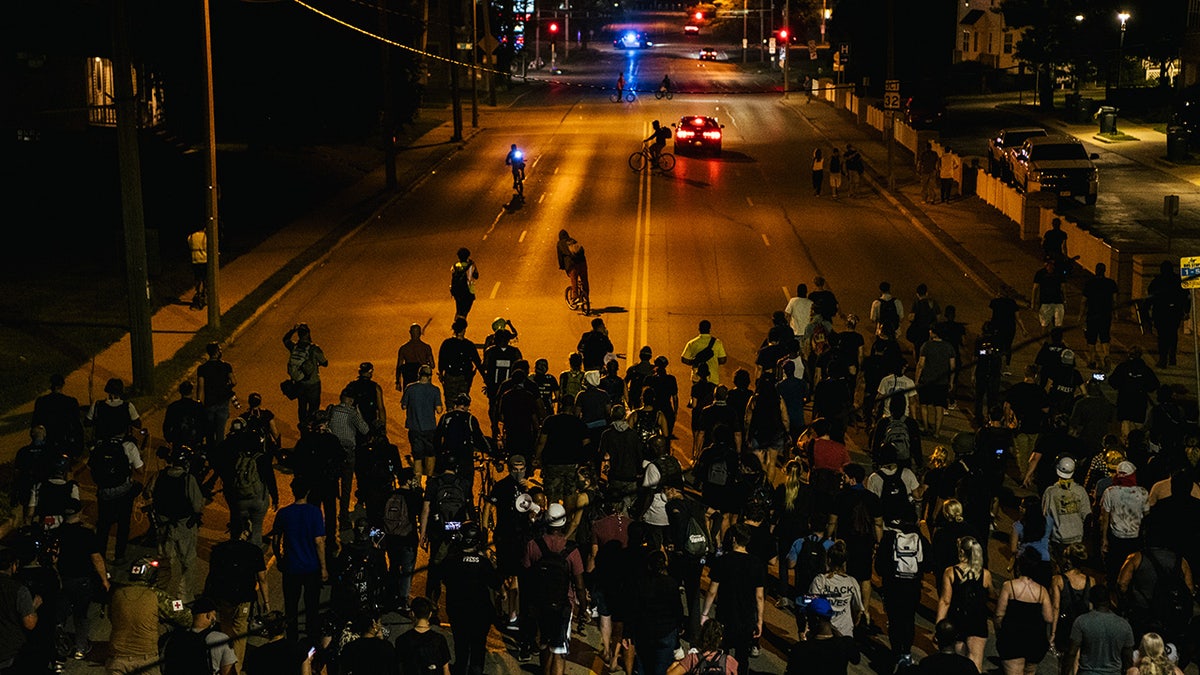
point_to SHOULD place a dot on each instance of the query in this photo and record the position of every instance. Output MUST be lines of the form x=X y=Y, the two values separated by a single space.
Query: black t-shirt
x=564 y=439
x=738 y=574
x=593 y=347
x=367 y=655
x=216 y=376
x=1052 y=243
x=498 y=361
x=519 y=412
x=76 y=544
x=769 y=356
x=1050 y=285
x=946 y=664
x=422 y=652
x=624 y=450
x=504 y=498
x=470 y=579
x=851 y=524
x=593 y=405
x=1100 y=293
x=829 y=656
x=232 y=571
x=1004 y=313
x=458 y=356
x=665 y=388
x=737 y=400
x=1027 y=400
x=824 y=303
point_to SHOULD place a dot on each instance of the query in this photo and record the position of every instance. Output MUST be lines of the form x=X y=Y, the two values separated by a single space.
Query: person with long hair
x=1023 y=616
x=1069 y=595
x=792 y=516
x=948 y=529
x=965 y=590
x=840 y=589
x=1156 y=656
x=1032 y=531
x=707 y=651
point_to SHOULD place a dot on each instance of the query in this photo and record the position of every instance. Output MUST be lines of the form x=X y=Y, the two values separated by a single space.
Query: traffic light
x=783 y=35
x=553 y=28
x=699 y=16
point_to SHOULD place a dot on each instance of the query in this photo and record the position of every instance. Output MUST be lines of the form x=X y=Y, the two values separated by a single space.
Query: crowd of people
x=575 y=503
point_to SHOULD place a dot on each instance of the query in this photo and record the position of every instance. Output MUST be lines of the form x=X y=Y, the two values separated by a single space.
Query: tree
x=1049 y=36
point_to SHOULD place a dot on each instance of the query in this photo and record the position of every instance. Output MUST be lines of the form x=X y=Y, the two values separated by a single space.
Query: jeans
x=900 y=600
x=470 y=642
x=178 y=545
x=402 y=562
x=235 y=622
x=217 y=417
x=118 y=511
x=655 y=655
x=309 y=400
x=308 y=584
x=256 y=511
x=77 y=597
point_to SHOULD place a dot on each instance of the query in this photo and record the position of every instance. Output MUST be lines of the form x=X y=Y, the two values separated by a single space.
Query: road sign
x=771 y=45
x=464 y=45
x=891 y=95
x=489 y=44
x=812 y=50
x=1189 y=272
x=1171 y=205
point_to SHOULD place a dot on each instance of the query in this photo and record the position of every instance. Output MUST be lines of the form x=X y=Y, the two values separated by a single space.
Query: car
x=923 y=111
x=631 y=39
x=1056 y=164
x=691 y=30
x=708 y=54
x=698 y=133
x=1001 y=145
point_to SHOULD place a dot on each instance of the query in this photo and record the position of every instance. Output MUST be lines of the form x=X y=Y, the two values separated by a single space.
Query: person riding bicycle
x=659 y=135
x=620 y=86
x=516 y=160
x=665 y=86
x=573 y=261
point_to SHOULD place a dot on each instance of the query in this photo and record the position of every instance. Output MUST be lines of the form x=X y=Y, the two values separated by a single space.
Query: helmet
x=60 y=465
x=144 y=571
x=1068 y=357
x=1113 y=459
x=472 y=535
x=1065 y=467
x=498 y=323
x=181 y=456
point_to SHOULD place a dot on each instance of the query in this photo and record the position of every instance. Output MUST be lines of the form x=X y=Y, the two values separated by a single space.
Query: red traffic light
x=783 y=34
x=553 y=28
x=699 y=16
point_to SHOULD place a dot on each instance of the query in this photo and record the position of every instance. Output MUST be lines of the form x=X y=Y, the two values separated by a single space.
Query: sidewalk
x=250 y=283
x=981 y=242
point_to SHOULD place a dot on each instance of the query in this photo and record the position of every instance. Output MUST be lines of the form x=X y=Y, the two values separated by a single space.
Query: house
x=983 y=37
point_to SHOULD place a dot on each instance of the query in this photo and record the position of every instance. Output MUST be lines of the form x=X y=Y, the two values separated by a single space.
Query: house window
x=101 y=92
x=966 y=41
x=1008 y=43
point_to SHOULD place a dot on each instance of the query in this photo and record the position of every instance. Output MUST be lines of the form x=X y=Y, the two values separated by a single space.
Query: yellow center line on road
x=494 y=223
x=495 y=289
x=543 y=197
x=766 y=241
x=641 y=245
x=521 y=240
x=749 y=201
x=644 y=321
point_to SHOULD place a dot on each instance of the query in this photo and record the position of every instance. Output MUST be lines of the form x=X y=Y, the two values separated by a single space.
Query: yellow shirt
x=198 y=243
x=694 y=347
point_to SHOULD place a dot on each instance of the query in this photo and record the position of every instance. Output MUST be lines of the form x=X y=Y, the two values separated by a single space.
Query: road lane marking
x=766 y=241
x=556 y=171
x=522 y=239
x=495 y=288
x=543 y=197
x=786 y=295
x=749 y=201
x=631 y=330
x=535 y=161
x=494 y=222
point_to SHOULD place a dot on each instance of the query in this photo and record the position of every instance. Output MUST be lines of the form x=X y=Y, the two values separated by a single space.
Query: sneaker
x=78 y=654
x=524 y=653
x=595 y=613
x=755 y=651
x=514 y=623
x=679 y=654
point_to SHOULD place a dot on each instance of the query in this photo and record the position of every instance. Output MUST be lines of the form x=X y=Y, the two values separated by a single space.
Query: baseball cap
x=820 y=607
x=1068 y=357
x=1065 y=467
x=365 y=367
x=1126 y=468
x=556 y=515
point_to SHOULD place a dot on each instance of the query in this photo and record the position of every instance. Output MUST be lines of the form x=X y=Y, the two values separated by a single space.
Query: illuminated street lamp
x=826 y=15
x=1123 y=17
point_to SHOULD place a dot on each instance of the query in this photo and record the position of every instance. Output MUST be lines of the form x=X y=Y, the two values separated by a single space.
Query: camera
x=453 y=526
x=805 y=600
x=999 y=452
x=1098 y=377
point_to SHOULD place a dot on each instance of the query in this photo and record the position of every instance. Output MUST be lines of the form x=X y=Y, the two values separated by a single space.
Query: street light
x=1124 y=17
x=826 y=15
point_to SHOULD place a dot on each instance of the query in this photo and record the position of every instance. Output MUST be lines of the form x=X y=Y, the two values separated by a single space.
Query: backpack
x=894 y=501
x=459 y=283
x=551 y=574
x=170 y=497
x=896 y=433
x=396 y=521
x=810 y=559
x=247 y=483
x=705 y=355
x=889 y=316
x=707 y=666
x=697 y=541
x=718 y=472
x=365 y=399
x=646 y=424
x=1171 y=602
x=186 y=653
x=109 y=464
x=298 y=362
x=451 y=501
x=357 y=588
x=819 y=340
x=907 y=555
x=53 y=499
x=572 y=383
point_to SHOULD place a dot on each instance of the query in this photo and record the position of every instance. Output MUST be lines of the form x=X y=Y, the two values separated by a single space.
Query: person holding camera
x=178 y=505
x=305 y=360
x=471 y=580
x=237 y=576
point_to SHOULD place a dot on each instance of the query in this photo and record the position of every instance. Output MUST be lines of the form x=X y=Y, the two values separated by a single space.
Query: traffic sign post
x=891 y=103
x=1189 y=278
x=891 y=95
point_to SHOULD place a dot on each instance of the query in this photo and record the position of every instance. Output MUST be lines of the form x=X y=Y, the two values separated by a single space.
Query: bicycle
x=519 y=183
x=663 y=92
x=630 y=96
x=643 y=158
x=577 y=298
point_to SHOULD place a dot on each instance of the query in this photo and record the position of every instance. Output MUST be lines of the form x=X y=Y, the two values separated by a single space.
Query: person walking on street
x=620 y=86
x=1049 y=296
x=411 y=356
x=347 y=424
x=422 y=403
x=818 y=171
x=707 y=349
x=305 y=359
x=471 y=580
x=1096 y=312
x=836 y=171
x=83 y=572
x=198 y=248
x=115 y=462
x=927 y=169
x=947 y=162
x=463 y=277
x=178 y=505
x=736 y=586
x=458 y=360
x=237 y=577
x=1101 y=641
x=964 y=596
x=59 y=415
x=299 y=546
x=854 y=168
x=1169 y=304
x=214 y=388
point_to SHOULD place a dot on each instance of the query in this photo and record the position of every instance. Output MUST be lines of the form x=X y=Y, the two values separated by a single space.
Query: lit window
x=1008 y=42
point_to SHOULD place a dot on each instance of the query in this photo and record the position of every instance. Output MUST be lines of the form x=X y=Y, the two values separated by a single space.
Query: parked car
x=1057 y=164
x=632 y=40
x=1001 y=145
x=699 y=133
x=923 y=111
x=691 y=30
x=708 y=54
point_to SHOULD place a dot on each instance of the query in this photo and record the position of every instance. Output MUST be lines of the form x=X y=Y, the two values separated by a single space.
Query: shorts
x=1098 y=328
x=421 y=443
x=835 y=180
x=937 y=395
x=1051 y=313
x=554 y=629
x=558 y=480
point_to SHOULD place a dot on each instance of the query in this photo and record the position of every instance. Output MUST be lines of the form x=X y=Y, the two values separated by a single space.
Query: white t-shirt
x=875 y=481
x=656 y=512
x=220 y=653
x=844 y=595
x=894 y=383
x=799 y=311
x=1126 y=505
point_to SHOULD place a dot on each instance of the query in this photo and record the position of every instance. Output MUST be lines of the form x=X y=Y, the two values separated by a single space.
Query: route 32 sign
x=891 y=95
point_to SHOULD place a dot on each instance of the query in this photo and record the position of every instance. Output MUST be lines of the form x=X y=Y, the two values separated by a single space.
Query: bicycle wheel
x=615 y=97
x=670 y=94
x=571 y=298
x=666 y=161
x=637 y=161
x=658 y=95
x=631 y=97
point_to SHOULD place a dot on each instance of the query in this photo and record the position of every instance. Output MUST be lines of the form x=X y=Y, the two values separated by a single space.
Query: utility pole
x=474 y=64
x=137 y=278
x=452 y=20
x=786 y=34
x=489 y=53
x=566 y=29
x=387 y=133
x=211 y=232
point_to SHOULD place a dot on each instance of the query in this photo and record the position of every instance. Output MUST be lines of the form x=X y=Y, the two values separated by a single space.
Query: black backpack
x=551 y=574
x=451 y=500
x=170 y=497
x=110 y=420
x=1171 y=602
x=365 y=398
x=459 y=283
x=888 y=314
x=705 y=355
x=707 y=666
x=396 y=520
x=810 y=559
x=109 y=464
x=186 y=652
x=895 y=503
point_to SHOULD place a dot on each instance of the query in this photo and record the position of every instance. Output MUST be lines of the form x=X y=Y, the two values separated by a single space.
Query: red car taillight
x=712 y=135
x=684 y=133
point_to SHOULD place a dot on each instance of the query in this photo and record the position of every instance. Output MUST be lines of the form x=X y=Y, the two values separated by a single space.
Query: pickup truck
x=1056 y=164
x=999 y=148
